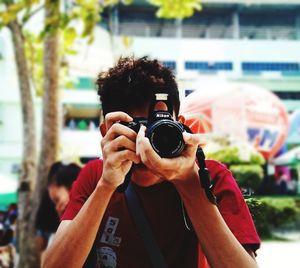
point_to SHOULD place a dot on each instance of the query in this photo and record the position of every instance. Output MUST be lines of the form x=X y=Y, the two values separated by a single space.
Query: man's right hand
x=118 y=149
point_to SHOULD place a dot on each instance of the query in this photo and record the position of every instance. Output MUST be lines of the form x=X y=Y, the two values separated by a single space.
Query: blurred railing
x=211 y=31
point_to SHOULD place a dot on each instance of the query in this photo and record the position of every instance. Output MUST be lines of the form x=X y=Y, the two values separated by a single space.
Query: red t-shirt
x=118 y=242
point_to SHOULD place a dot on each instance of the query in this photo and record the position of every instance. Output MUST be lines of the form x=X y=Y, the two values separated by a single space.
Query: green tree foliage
x=110 y=3
x=248 y=176
x=244 y=161
x=232 y=151
x=83 y=13
x=10 y=9
x=77 y=19
x=176 y=9
x=270 y=213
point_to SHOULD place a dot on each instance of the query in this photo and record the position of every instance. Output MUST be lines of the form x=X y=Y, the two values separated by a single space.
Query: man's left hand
x=169 y=168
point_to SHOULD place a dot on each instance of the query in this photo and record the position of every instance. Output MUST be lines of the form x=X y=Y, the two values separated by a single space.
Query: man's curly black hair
x=132 y=83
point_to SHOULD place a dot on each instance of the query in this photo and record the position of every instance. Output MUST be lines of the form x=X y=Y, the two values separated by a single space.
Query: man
x=223 y=235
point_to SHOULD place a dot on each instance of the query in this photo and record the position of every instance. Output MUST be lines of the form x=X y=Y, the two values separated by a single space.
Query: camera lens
x=166 y=138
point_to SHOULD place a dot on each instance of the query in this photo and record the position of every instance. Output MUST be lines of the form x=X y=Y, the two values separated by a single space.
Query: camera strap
x=144 y=229
x=204 y=176
x=206 y=184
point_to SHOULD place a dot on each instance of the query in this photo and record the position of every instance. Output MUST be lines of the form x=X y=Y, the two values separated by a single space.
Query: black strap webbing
x=204 y=176
x=144 y=229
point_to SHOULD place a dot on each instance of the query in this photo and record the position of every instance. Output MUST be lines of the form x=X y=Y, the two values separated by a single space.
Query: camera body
x=164 y=134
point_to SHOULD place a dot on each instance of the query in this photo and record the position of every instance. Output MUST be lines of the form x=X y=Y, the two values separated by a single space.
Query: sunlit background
x=237 y=64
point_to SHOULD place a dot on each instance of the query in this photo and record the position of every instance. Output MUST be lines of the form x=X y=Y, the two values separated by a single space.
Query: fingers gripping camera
x=164 y=133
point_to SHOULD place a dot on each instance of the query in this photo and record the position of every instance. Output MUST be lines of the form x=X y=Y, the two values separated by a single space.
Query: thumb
x=194 y=139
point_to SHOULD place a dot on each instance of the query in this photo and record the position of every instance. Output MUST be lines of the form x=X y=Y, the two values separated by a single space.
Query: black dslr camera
x=164 y=133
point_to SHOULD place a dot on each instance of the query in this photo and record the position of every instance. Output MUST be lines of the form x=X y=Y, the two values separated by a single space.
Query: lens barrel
x=166 y=137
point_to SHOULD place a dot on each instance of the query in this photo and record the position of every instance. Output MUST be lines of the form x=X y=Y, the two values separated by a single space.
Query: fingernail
x=185 y=135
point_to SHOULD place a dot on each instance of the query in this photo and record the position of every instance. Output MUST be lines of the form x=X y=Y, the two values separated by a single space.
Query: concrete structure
x=246 y=41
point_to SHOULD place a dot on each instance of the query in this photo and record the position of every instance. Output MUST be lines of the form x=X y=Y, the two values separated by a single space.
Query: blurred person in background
x=54 y=201
x=2 y=216
x=97 y=219
x=8 y=221
x=281 y=183
x=60 y=180
x=47 y=221
x=292 y=186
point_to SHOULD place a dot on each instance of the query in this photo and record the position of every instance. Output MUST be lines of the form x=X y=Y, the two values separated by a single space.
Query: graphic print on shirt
x=107 y=257
x=108 y=237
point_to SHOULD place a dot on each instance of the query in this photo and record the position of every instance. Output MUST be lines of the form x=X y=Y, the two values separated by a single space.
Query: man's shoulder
x=220 y=174
x=94 y=164
x=91 y=171
x=221 y=177
x=215 y=167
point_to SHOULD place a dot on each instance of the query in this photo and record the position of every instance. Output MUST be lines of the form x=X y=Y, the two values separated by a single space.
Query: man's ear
x=181 y=119
x=102 y=128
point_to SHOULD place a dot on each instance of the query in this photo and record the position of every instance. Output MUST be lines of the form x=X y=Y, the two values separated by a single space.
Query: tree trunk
x=51 y=123
x=26 y=228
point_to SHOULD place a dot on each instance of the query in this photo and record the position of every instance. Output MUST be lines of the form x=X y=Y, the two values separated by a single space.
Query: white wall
x=236 y=51
x=8 y=78
x=92 y=58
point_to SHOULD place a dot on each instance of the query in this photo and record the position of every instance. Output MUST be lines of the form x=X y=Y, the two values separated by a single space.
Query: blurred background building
x=253 y=42
x=247 y=41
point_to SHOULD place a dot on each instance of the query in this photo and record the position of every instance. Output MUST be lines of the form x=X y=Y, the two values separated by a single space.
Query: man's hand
x=118 y=149
x=169 y=168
